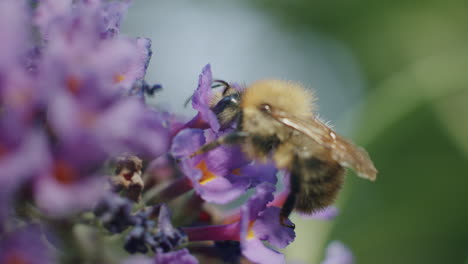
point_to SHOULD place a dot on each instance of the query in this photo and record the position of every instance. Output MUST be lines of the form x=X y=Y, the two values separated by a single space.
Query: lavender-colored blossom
x=259 y=223
x=201 y=100
x=217 y=176
x=50 y=11
x=182 y=256
x=25 y=246
x=14 y=29
x=338 y=253
x=22 y=157
x=69 y=181
x=112 y=15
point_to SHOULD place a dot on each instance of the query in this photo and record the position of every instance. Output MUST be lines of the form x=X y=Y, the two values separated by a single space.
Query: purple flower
x=261 y=223
x=220 y=175
x=338 y=253
x=112 y=15
x=201 y=100
x=182 y=256
x=25 y=246
x=69 y=181
x=14 y=29
x=22 y=156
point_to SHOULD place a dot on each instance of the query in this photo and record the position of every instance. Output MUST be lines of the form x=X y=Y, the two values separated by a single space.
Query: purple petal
x=202 y=98
x=186 y=142
x=13 y=27
x=268 y=227
x=182 y=256
x=338 y=253
x=218 y=190
x=257 y=252
x=59 y=199
x=254 y=174
x=258 y=202
x=25 y=246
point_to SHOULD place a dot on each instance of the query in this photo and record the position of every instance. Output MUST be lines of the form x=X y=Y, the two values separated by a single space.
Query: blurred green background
x=409 y=110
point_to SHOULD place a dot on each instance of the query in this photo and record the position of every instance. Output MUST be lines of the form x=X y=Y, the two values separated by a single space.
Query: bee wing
x=341 y=150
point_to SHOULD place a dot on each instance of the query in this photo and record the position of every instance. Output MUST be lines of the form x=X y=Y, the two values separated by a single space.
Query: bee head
x=228 y=109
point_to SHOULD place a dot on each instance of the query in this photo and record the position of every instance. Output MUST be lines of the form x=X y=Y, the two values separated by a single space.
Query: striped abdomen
x=316 y=183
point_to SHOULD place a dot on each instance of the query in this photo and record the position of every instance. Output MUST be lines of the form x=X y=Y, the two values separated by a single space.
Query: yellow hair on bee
x=287 y=96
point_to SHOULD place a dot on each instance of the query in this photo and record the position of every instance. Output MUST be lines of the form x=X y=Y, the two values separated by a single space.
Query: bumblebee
x=276 y=120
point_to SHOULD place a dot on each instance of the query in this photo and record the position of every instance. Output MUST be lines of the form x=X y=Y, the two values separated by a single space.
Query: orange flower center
x=250 y=232
x=207 y=175
x=236 y=172
x=63 y=173
x=119 y=78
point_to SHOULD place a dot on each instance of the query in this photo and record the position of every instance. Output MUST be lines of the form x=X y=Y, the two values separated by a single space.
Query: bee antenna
x=222 y=83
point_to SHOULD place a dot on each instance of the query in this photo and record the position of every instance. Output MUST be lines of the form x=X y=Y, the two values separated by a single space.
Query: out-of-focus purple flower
x=182 y=256
x=50 y=11
x=130 y=126
x=220 y=175
x=338 y=253
x=69 y=182
x=112 y=15
x=25 y=246
x=14 y=30
x=22 y=157
x=77 y=58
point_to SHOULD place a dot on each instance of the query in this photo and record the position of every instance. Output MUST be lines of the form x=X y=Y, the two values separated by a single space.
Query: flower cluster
x=80 y=148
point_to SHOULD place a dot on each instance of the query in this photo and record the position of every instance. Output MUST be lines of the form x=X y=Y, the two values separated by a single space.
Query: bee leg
x=229 y=139
x=290 y=202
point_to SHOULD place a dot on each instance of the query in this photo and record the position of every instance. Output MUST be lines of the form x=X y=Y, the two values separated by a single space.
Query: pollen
x=236 y=172
x=207 y=175
x=250 y=232
x=118 y=78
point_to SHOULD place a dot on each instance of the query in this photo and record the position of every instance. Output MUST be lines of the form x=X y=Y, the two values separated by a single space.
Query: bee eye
x=227 y=101
x=265 y=108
